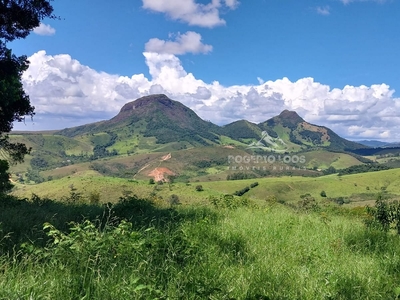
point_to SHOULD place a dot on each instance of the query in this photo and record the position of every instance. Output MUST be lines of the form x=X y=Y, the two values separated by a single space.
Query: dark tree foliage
x=242 y=191
x=254 y=184
x=240 y=176
x=363 y=169
x=293 y=139
x=5 y=184
x=39 y=163
x=311 y=136
x=239 y=130
x=14 y=103
x=17 y=19
x=376 y=151
x=330 y=170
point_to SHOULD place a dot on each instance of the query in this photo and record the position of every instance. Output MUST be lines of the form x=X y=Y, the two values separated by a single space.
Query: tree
x=17 y=19
x=14 y=103
x=5 y=184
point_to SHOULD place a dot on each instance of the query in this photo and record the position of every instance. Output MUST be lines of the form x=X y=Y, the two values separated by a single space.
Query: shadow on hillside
x=21 y=220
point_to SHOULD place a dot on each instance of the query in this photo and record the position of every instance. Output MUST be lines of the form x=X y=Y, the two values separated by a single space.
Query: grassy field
x=323 y=160
x=358 y=188
x=192 y=252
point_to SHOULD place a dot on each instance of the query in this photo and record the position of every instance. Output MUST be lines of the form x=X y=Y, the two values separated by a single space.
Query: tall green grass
x=194 y=252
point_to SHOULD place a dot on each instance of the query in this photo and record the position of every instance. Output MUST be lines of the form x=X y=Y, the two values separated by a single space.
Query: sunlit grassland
x=225 y=140
x=363 y=186
x=323 y=159
x=270 y=252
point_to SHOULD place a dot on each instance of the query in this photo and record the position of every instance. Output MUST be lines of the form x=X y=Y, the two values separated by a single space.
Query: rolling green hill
x=358 y=189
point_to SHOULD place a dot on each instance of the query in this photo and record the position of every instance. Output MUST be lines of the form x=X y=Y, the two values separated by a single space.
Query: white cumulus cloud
x=323 y=10
x=191 y=12
x=67 y=93
x=189 y=42
x=44 y=29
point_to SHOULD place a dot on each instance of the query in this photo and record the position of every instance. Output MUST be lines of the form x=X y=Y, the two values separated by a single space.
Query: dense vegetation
x=377 y=151
x=240 y=176
x=311 y=136
x=363 y=169
x=233 y=249
x=240 y=130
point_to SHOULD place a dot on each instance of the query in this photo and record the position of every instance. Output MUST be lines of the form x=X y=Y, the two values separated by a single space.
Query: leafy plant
x=385 y=214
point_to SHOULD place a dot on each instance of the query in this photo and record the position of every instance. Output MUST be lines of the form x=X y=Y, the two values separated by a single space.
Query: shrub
x=254 y=184
x=242 y=191
x=231 y=202
x=323 y=194
x=174 y=200
x=385 y=214
x=199 y=188
x=307 y=203
x=94 y=198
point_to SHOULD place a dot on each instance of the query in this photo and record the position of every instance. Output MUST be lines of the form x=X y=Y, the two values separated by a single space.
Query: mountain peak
x=290 y=115
x=146 y=100
x=287 y=118
x=147 y=105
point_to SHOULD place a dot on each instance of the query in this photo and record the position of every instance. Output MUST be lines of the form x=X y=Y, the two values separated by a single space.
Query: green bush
x=254 y=184
x=229 y=201
x=385 y=214
x=94 y=198
x=242 y=191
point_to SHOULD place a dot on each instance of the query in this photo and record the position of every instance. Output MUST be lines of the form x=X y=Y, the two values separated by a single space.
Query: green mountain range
x=158 y=125
x=170 y=121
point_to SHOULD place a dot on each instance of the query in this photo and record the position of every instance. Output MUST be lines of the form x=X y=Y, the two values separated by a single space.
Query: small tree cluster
x=385 y=214
x=242 y=191
x=254 y=184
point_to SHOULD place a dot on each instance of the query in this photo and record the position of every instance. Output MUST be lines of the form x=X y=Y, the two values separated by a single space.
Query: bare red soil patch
x=159 y=174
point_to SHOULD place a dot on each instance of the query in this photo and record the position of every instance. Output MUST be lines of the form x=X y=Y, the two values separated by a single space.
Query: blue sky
x=335 y=62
